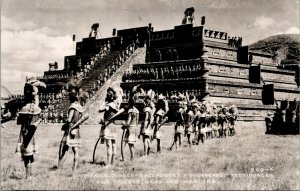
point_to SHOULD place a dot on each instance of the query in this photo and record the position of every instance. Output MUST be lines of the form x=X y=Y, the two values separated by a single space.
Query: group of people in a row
x=31 y=115
x=235 y=42
x=201 y=119
x=52 y=115
x=162 y=73
x=51 y=98
x=53 y=76
x=170 y=95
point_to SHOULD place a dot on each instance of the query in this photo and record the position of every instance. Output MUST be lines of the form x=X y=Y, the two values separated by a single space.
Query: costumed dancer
x=146 y=128
x=180 y=121
x=71 y=137
x=213 y=120
x=190 y=122
x=131 y=125
x=232 y=119
x=222 y=121
x=269 y=122
x=202 y=119
x=108 y=131
x=159 y=119
x=29 y=118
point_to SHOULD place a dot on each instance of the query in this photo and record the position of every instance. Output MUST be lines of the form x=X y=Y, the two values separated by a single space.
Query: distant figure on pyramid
x=188 y=16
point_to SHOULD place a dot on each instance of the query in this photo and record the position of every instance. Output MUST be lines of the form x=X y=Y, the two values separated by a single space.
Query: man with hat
x=29 y=118
x=31 y=89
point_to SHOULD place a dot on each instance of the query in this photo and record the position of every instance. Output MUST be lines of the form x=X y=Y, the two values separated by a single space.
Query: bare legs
x=146 y=145
x=131 y=148
x=111 y=150
x=28 y=160
x=62 y=158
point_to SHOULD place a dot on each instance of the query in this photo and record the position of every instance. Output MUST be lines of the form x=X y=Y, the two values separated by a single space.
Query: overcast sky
x=36 y=32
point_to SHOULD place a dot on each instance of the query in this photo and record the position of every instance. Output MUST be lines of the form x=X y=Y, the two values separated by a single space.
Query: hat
x=30 y=109
x=160 y=96
x=182 y=103
x=31 y=79
x=181 y=97
x=174 y=97
x=135 y=89
x=150 y=94
x=196 y=105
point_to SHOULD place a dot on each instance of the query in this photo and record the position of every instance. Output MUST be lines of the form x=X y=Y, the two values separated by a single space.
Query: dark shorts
x=27 y=159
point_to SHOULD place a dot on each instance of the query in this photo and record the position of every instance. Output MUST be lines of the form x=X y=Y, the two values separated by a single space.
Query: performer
x=71 y=137
x=190 y=122
x=269 y=122
x=131 y=125
x=146 y=128
x=222 y=121
x=232 y=119
x=202 y=119
x=180 y=123
x=159 y=119
x=28 y=118
x=108 y=131
x=213 y=120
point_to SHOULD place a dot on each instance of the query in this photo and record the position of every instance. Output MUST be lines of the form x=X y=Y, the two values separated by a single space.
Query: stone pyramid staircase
x=97 y=101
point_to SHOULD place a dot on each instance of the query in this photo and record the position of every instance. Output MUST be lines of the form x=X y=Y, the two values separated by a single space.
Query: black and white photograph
x=150 y=95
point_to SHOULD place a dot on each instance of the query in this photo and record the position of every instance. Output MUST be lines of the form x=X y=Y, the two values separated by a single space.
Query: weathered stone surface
x=97 y=101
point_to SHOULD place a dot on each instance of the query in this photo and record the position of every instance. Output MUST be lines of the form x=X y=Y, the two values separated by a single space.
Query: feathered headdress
x=119 y=95
x=150 y=94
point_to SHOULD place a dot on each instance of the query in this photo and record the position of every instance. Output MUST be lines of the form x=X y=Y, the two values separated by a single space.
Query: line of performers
x=200 y=120
x=193 y=118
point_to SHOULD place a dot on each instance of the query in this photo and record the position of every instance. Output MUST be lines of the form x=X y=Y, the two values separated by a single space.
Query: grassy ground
x=217 y=164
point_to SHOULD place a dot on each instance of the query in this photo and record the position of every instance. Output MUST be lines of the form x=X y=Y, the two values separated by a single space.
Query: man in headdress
x=146 y=129
x=190 y=121
x=223 y=121
x=108 y=130
x=159 y=119
x=29 y=118
x=232 y=118
x=71 y=137
x=131 y=125
x=180 y=120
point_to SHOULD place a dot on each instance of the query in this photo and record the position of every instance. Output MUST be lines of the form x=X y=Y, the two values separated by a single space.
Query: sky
x=35 y=33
